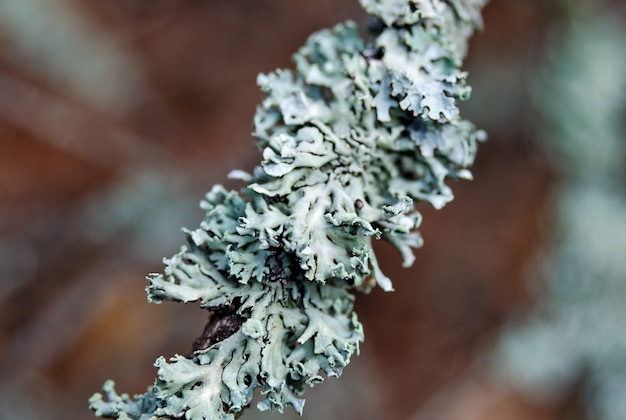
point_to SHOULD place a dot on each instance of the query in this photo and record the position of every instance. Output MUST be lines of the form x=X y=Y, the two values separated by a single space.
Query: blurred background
x=116 y=117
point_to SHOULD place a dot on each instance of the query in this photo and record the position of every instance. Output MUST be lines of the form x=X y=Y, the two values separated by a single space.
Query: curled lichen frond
x=349 y=141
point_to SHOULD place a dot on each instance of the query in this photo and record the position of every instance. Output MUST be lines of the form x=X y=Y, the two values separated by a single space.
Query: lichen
x=350 y=139
x=573 y=340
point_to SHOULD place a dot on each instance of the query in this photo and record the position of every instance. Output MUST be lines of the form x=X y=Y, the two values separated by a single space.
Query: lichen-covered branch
x=574 y=338
x=350 y=139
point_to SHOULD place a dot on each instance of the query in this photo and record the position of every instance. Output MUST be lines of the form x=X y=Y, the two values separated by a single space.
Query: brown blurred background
x=116 y=116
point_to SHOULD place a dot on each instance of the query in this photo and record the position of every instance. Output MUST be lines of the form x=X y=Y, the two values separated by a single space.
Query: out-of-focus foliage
x=72 y=53
x=578 y=329
x=350 y=139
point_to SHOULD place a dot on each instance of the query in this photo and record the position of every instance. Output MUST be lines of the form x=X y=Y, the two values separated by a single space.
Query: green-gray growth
x=359 y=131
x=575 y=337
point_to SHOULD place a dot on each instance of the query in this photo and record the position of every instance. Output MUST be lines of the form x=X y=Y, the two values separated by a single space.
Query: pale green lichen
x=349 y=141
x=574 y=339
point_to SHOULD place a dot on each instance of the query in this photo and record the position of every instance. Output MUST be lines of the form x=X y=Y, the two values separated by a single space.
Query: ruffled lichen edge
x=349 y=140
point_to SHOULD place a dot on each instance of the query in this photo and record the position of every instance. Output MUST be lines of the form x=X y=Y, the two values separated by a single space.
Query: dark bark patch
x=223 y=322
